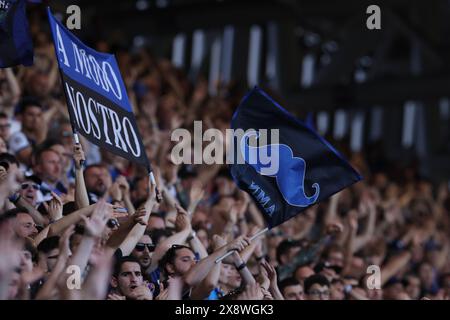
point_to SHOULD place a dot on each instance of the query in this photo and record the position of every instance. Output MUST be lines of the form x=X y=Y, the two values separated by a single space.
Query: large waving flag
x=289 y=170
x=96 y=97
x=16 y=46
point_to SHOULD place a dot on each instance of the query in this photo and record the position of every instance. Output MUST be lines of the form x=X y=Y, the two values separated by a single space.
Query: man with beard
x=98 y=181
x=143 y=252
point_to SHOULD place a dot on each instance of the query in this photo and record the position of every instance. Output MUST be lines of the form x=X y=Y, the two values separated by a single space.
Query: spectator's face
x=32 y=118
x=234 y=278
x=413 y=287
x=318 y=292
x=144 y=256
x=393 y=292
x=51 y=257
x=141 y=190
x=155 y=222
x=372 y=294
x=225 y=271
x=224 y=186
x=302 y=273
x=25 y=226
x=28 y=191
x=98 y=180
x=337 y=291
x=426 y=275
x=183 y=262
x=336 y=258
x=66 y=134
x=293 y=292
x=129 y=278
x=290 y=254
x=3 y=147
x=65 y=156
x=4 y=128
x=49 y=167
x=26 y=262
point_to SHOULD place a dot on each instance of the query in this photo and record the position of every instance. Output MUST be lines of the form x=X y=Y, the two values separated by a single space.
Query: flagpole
x=256 y=235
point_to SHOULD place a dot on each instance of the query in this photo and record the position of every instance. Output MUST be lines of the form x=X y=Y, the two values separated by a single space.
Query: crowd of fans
x=77 y=222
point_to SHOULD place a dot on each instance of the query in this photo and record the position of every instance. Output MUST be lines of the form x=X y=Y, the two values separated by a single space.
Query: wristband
x=241 y=266
x=259 y=258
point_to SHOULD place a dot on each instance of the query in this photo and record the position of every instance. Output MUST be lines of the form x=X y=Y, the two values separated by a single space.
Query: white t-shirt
x=17 y=142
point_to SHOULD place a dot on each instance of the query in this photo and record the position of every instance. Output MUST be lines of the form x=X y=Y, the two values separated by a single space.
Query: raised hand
x=114 y=296
x=54 y=207
x=64 y=247
x=78 y=155
x=251 y=292
x=115 y=192
x=96 y=224
x=182 y=221
x=196 y=193
x=271 y=272
x=238 y=244
x=334 y=228
x=138 y=217
x=123 y=185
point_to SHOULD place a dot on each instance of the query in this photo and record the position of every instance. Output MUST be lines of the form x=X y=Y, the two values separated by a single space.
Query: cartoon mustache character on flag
x=96 y=96
x=307 y=168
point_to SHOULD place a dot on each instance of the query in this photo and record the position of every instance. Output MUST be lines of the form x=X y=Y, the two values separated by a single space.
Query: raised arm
x=370 y=227
x=138 y=230
x=125 y=187
x=211 y=281
x=183 y=230
x=198 y=272
x=81 y=195
x=93 y=229
x=59 y=226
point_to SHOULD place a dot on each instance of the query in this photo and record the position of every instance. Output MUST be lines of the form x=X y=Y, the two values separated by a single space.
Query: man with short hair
x=29 y=189
x=128 y=282
x=303 y=272
x=291 y=289
x=22 y=223
x=143 y=251
x=317 y=287
x=21 y=143
x=98 y=180
x=48 y=252
x=48 y=168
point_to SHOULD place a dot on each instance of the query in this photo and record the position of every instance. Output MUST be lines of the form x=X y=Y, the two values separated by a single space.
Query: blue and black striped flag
x=282 y=163
x=16 y=46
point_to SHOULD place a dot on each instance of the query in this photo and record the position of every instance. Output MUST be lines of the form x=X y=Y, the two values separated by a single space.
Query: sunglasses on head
x=141 y=247
x=33 y=185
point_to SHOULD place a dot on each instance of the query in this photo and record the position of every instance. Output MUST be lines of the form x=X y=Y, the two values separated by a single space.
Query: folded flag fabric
x=288 y=174
x=16 y=46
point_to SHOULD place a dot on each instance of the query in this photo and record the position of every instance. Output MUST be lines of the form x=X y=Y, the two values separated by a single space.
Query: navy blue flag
x=16 y=46
x=96 y=96
x=287 y=170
